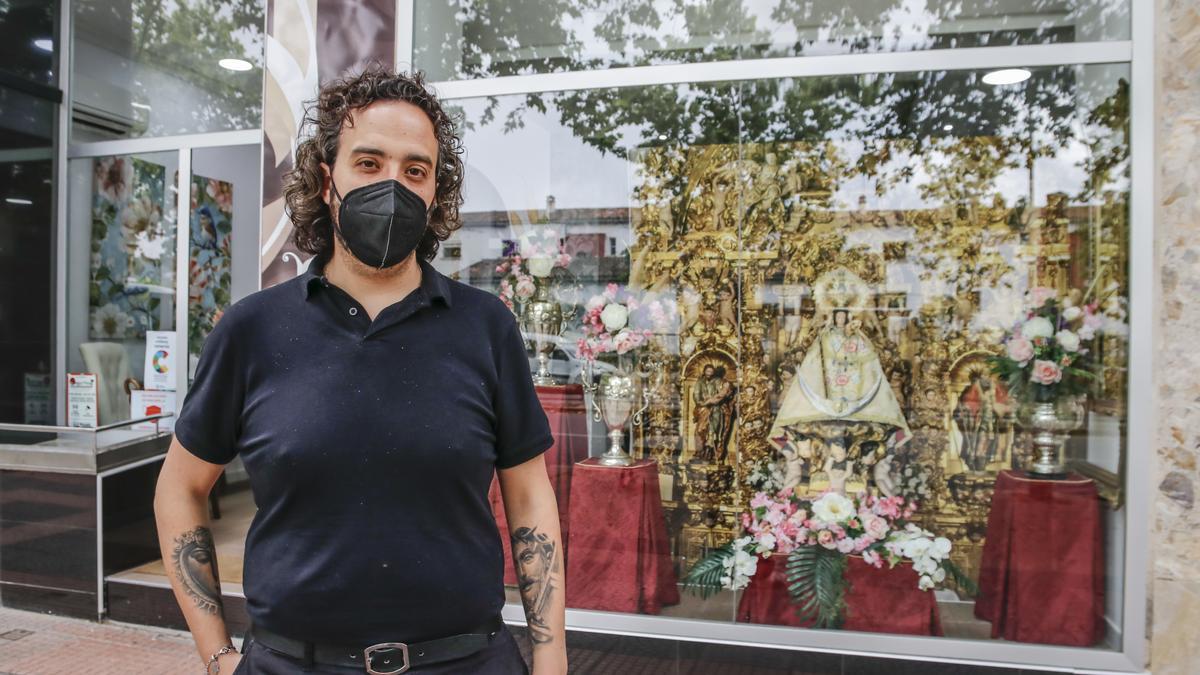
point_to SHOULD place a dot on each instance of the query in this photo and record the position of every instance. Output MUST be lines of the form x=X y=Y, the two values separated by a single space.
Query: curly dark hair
x=324 y=117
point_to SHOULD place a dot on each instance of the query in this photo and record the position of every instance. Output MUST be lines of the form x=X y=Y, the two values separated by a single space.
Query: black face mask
x=381 y=223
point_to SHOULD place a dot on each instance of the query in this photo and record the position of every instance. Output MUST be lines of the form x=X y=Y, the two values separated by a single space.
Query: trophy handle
x=596 y=414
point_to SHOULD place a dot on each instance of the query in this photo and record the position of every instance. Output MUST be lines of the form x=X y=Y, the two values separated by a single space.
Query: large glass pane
x=121 y=276
x=486 y=38
x=161 y=69
x=28 y=36
x=26 y=258
x=828 y=294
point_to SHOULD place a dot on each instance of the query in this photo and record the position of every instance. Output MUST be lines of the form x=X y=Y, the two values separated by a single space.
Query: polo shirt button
x=353 y=311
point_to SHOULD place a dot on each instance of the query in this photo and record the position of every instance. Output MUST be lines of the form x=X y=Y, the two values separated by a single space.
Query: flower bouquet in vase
x=1047 y=367
x=615 y=327
x=526 y=288
x=816 y=535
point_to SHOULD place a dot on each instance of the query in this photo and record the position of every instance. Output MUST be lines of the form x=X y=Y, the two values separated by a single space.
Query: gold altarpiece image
x=772 y=274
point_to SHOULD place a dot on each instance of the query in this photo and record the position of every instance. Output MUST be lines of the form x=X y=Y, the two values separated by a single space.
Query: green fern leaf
x=704 y=579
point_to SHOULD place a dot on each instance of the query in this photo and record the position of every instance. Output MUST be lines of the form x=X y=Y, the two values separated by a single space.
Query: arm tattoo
x=536 y=559
x=195 y=561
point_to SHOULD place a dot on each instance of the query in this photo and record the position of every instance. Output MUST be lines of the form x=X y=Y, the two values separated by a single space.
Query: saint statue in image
x=713 y=409
x=839 y=408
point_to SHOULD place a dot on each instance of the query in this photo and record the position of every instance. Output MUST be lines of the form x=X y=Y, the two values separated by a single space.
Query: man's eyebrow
x=376 y=152
x=365 y=150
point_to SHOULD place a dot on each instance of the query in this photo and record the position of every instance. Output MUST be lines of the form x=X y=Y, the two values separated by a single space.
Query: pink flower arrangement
x=1047 y=353
x=876 y=528
x=538 y=258
x=617 y=321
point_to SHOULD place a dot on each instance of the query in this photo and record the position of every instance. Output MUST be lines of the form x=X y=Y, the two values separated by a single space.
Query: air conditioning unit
x=103 y=107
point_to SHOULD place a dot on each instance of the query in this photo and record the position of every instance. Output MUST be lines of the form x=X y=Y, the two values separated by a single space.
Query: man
x=372 y=400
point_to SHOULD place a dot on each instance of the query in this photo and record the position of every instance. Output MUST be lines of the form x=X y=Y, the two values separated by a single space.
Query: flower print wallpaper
x=132 y=249
x=209 y=266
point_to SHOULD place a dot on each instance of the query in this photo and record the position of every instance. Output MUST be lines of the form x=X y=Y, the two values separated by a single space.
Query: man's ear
x=326 y=182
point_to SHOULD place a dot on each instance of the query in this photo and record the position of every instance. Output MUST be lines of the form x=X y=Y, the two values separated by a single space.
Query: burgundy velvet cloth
x=620 y=557
x=877 y=600
x=1042 y=575
x=564 y=406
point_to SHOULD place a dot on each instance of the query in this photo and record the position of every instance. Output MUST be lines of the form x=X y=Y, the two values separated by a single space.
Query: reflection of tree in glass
x=500 y=37
x=186 y=40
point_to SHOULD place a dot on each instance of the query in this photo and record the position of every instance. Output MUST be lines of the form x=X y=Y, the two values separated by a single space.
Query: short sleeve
x=522 y=430
x=210 y=419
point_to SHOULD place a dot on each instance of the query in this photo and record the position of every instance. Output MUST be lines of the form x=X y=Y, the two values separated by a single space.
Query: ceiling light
x=19 y=201
x=662 y=137
x=44 y=44
x=1006 y=76
x=947 y=127
x=235 y=64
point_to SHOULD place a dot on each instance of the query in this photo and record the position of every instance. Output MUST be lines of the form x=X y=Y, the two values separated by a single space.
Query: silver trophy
x=542 y=319
x=614 y=402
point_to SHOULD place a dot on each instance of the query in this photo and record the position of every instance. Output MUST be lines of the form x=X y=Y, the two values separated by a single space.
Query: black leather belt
x=385 y=658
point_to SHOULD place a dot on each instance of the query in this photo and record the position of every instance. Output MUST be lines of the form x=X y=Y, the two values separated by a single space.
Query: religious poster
x=132 y=249
x=83 y=408
x=210 y=251
x=160 y=360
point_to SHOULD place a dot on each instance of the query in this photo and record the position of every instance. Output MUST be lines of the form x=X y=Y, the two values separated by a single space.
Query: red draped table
x=877 y=600
x=565 y=410
x=620 y=558
x=1042 y=576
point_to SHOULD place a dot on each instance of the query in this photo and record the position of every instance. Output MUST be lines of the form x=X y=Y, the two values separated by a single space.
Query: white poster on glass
x=143 y=403
x=82 y=407
x=38 y=406
x=160 y=360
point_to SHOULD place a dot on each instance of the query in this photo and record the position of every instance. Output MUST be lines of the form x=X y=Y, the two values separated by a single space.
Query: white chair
x=110 y=362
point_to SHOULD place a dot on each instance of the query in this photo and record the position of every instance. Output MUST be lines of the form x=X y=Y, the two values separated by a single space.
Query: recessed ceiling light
x=234 y=64
x=19 y=201
x=44 y=44
x=662 y=137
x=1006 y=76
x=947 y=127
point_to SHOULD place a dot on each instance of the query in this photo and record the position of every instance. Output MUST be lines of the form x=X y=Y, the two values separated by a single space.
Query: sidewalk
x=41 y=644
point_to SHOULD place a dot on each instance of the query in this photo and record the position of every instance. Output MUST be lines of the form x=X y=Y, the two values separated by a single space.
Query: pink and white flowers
x=618 y=321
x=876 y=528
x=1047 y=354
x=539 y=254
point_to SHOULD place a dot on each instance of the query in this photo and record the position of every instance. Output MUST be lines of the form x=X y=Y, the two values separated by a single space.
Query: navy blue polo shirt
x=370 y=447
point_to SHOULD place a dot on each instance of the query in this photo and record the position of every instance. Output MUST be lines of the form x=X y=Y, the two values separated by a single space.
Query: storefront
x=841 y=248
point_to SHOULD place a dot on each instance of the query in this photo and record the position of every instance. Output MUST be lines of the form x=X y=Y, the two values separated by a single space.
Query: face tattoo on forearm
x=537 y=568
x=195 y=559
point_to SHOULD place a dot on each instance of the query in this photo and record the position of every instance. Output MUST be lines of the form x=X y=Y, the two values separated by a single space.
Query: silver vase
x=1050 y=425
x=614 y=401
x=542 y=320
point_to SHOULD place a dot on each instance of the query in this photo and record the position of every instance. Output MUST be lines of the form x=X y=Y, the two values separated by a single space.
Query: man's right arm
x=189 y=555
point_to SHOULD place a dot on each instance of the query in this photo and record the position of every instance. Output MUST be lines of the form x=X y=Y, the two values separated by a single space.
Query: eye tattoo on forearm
x=195 y=560
x=537 y=571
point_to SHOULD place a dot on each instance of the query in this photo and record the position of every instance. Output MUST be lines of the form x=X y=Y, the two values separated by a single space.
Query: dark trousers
x=500 y=657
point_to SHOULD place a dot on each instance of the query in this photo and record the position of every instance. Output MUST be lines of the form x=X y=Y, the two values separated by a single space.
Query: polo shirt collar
x=433 y=283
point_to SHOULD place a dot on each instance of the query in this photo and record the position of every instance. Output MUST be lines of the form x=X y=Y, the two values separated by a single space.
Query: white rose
x=833 y=508
x=541 y=266
x=1037 y=327
x=1068 y=340
x=614 y=317
x=1072 y=313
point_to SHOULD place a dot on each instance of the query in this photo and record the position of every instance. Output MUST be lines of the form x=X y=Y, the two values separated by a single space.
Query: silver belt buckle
x=369 y=651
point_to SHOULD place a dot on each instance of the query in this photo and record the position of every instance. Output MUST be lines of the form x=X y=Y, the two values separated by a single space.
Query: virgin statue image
x=840 y=390
x=713 y=411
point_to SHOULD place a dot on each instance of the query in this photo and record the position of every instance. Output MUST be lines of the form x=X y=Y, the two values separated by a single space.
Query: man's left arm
x=532 y=512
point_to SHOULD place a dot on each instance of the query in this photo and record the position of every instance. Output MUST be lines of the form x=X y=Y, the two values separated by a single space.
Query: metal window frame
x=1138 y=52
